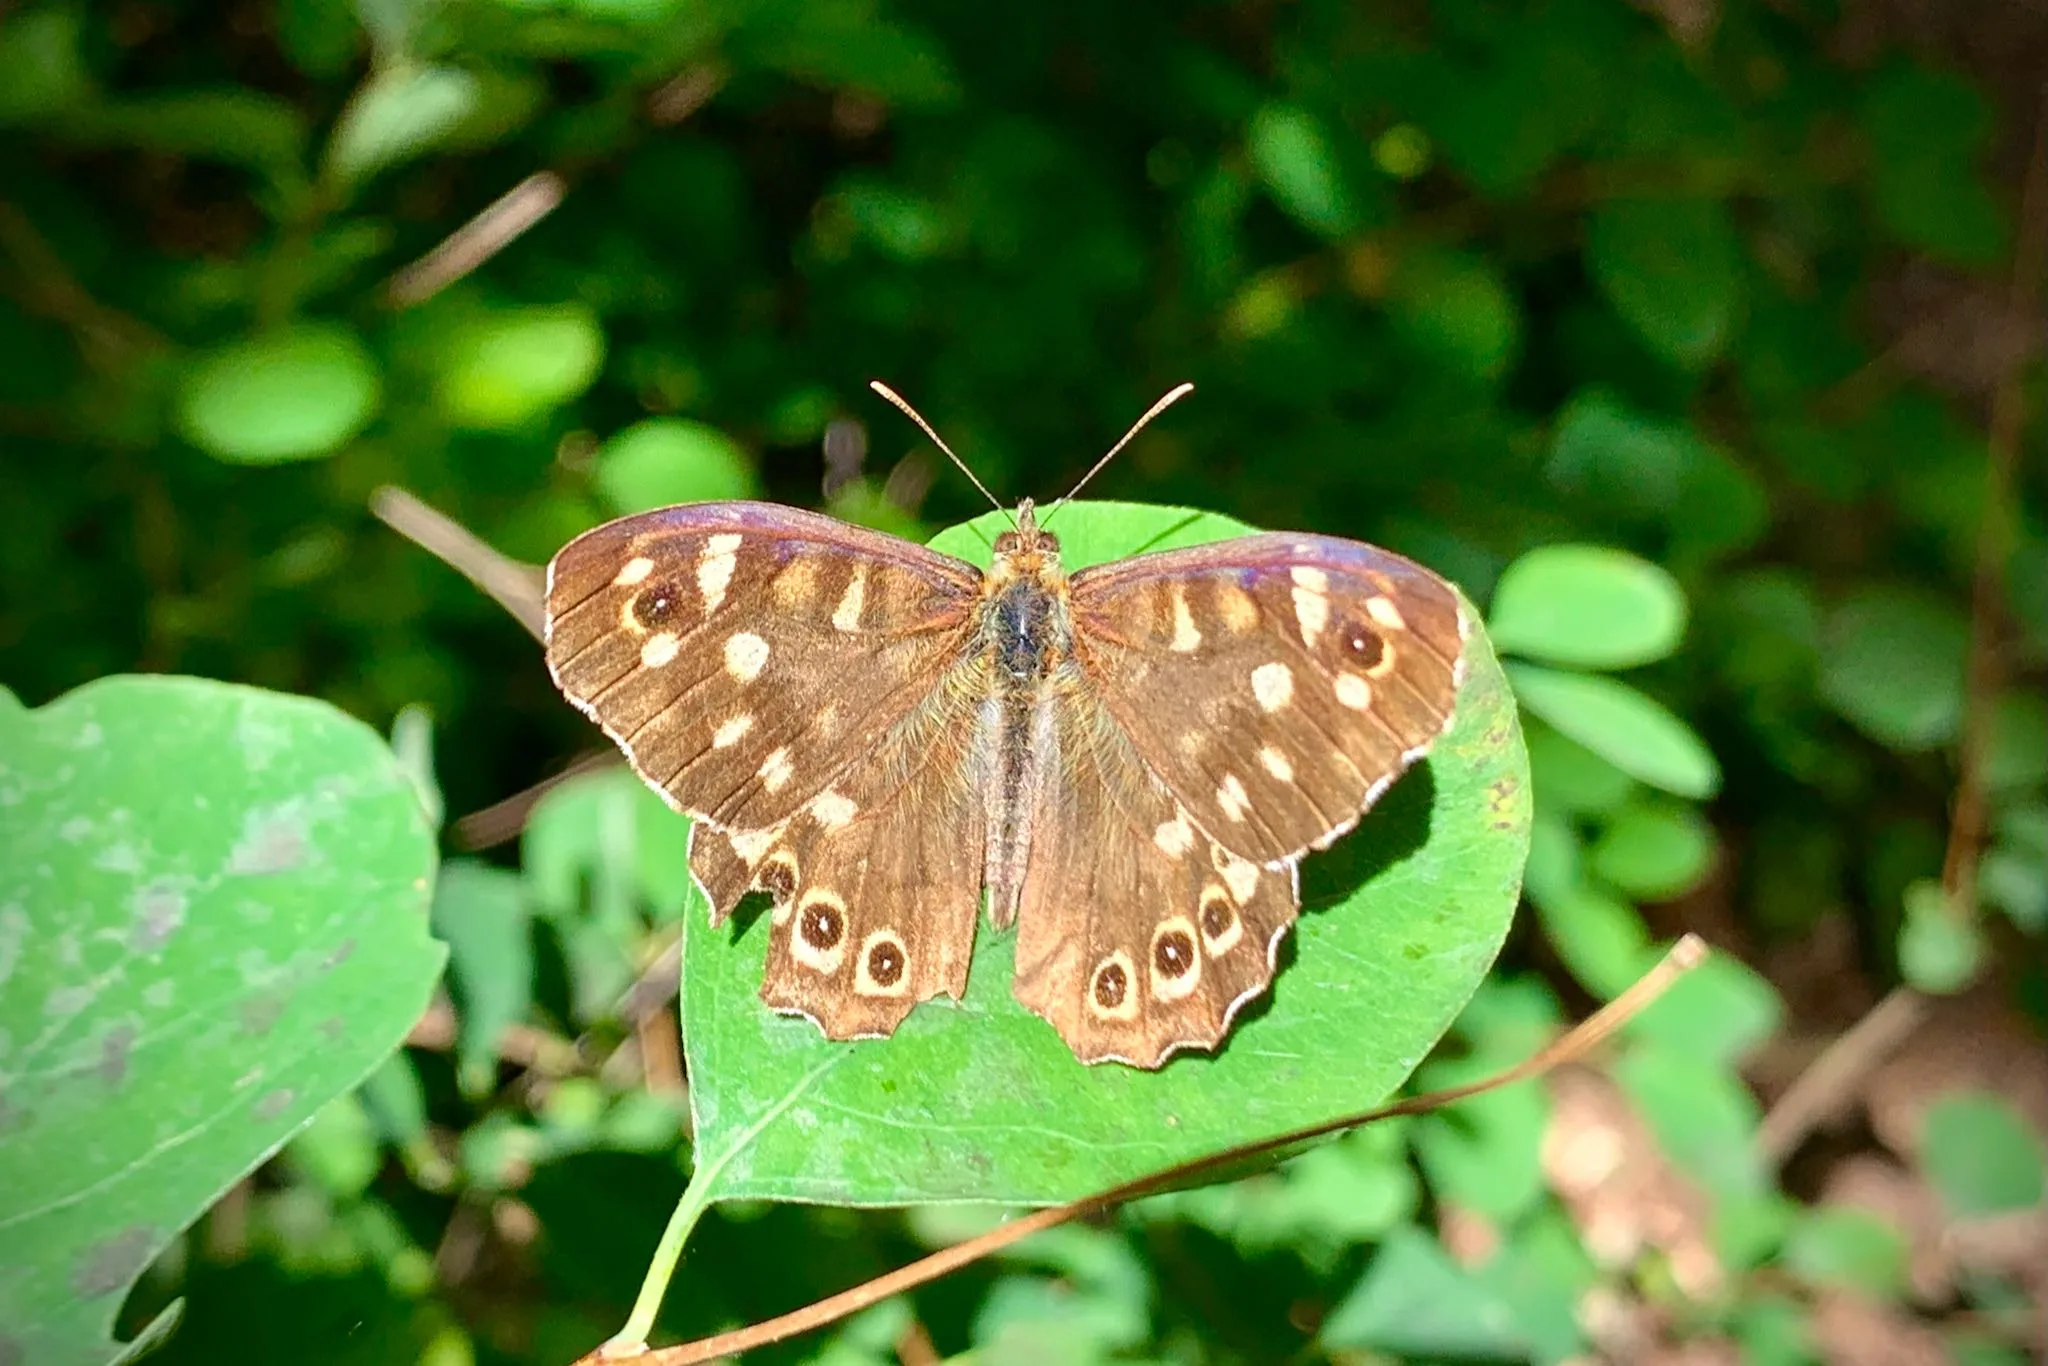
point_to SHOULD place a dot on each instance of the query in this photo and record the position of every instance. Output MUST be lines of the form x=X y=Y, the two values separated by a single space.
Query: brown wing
x=744 y=654
x=1276 y=684
x=876 y=882
x=1138 y=935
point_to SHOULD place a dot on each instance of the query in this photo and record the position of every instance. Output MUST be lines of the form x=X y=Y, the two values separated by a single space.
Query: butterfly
x=1127 y=764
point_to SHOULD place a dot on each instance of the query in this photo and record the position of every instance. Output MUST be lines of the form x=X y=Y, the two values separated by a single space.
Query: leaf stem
x=631 y=1339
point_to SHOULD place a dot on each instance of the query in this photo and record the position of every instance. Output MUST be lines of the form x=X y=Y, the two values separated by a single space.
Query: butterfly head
x=1027 y=552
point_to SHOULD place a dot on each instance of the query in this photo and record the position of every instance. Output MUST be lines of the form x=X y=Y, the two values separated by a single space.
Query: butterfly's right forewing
x=744 y=655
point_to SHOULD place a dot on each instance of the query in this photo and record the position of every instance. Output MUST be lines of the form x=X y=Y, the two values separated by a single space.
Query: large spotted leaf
x=982 y=1101
x=213 y=920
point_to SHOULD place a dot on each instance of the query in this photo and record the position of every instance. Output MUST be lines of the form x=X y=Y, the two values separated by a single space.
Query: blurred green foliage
x=1581 y=309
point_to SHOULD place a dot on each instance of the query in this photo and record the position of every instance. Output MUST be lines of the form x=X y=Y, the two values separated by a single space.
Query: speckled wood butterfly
x=1129 y=763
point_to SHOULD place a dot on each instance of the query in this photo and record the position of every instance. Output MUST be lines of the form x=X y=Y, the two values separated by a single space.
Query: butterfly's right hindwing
x=744 y=655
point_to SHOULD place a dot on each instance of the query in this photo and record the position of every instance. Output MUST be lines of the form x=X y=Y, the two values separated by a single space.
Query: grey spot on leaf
x=338 y=955
x=273 y=841
x=159 y=912
x=116 y=1045
x=261 y=1011
x=112 y=1263
x=275 y=1103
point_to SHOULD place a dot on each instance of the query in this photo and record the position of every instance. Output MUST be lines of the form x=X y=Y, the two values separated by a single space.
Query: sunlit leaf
x=1408 y=912
x=210 y=962
x=1639 y=736
x=668 y=460
x=289 y=395
x=1588 y=606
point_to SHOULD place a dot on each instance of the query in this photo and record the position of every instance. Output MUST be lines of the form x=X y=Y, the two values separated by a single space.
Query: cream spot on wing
x=1193 y=742
x=1354 y=692
x=883 y=965
x=846 y=616
x=658 y=650
x=1273 y=685
x=1241 y=876
x=1384 y=665
x=797 y=584
x=746 y=654
x=636 y=571
x=1176 y=962
x=1276 y=764
x=1383 y=611
x=1230 y=795
x=775 y=770
x=827 y=719
x=818 y=940
x=732 y=730
x=751 y=844
x=1185 y=636
x=832 y=810
x=1311 y=601
x=1240 y=614
x=714 y=570
x=1175 y=837
x=1112 y=990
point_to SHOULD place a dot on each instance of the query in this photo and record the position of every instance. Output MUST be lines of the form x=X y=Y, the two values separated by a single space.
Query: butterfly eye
x=1006 y=544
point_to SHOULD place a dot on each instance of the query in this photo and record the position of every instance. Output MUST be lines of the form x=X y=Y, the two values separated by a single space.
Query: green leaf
x=481 y=913
x=1587 y=606
x=193 y=969
x=1600 y=937
x=1407 y=914
x=1572 y=780
x=401 y=112
x=233 y=125
x=1608 y=451
x=1654 y=851
x=667 y=460
x=1892 y=663
x=1292 y=155
x=1629 y=730
x=1928 y=131
x=1981 y=1155
x=1941 y=947
x=42 y=70
x=1848 y=1249
x=1487 y=1155
x=1703 y=1114
x=506 y=368
x=2016 y=751
x=1720 y=1011
x=1415 y=1301
x=1673 y=270
x=279 y=396
x=1459 y=309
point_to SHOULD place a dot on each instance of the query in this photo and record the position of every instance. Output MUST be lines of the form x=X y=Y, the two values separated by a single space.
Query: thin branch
x=478 y=240
x=504 y=819
x=1994 y=541
x=517 y=587
x=1842 y=1066
x=1827 y=1081
x=1684 y=956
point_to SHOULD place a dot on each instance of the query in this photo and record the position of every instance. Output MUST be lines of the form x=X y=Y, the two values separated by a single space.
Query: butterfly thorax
x=1025 y=639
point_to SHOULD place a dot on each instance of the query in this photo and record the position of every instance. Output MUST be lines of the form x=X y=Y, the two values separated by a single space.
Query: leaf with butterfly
x=1402 y=919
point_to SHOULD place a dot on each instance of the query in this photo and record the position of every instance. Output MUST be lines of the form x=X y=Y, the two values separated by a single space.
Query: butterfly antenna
x=1171 y=397
x=886 y=392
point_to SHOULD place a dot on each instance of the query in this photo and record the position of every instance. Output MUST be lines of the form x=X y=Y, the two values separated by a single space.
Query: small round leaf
x=1588 y=606
x=280 y=396
x=667 y=460
x=504 y=369
x=1981 y=1156
x=1634 y=733
x=1892 y=663
x=1654 y=851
